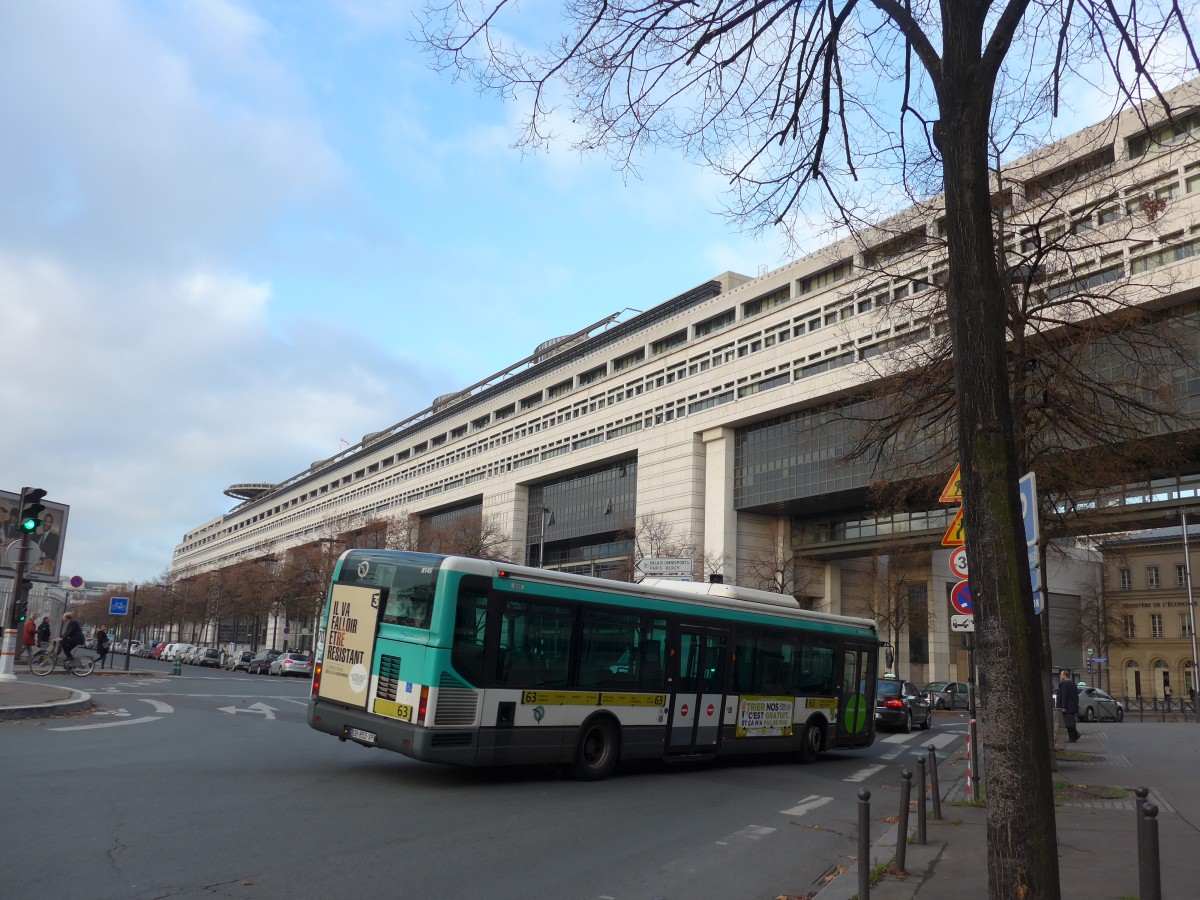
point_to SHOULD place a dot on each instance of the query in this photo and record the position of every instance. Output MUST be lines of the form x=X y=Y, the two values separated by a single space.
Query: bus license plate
x=363 y=737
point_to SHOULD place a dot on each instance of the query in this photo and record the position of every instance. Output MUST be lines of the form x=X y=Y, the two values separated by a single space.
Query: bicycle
x=43 y=662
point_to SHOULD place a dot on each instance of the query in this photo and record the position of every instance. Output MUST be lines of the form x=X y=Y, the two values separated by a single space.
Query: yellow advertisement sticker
x=560 y=698
x=821 y=703
x=607 y=699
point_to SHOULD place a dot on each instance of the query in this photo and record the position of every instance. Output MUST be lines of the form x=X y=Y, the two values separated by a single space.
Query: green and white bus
x=468 y=661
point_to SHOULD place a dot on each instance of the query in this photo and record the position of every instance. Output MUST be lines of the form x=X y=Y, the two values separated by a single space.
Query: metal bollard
x=902 y=822
x=1140 y=794
x=864 y=844
x=921 y=800
x=933 y=781
x=1149 y=877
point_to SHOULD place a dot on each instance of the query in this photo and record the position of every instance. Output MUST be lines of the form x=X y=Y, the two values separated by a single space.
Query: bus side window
x=470 y=621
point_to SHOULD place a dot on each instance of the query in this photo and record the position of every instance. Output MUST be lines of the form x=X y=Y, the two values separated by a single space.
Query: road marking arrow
x=267 y=711
x=808 y=804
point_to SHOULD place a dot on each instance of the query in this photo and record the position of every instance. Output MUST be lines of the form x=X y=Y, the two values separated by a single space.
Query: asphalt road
x=212 y=785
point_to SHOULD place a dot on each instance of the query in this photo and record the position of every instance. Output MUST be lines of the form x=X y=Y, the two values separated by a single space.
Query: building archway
x=1162 y=679
x=1133 y=679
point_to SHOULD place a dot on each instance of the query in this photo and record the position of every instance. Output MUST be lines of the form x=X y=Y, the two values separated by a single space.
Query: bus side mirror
x=889 y=655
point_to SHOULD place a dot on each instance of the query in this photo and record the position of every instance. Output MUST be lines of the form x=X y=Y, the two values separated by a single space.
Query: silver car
x=947 y=694
x=1095 y=704
x=293 y=663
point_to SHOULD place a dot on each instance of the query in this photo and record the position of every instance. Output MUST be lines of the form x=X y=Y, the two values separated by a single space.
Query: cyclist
x=71 y=635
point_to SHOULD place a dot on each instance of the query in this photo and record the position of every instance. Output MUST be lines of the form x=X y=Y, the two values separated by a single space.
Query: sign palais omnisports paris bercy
x=963 y=619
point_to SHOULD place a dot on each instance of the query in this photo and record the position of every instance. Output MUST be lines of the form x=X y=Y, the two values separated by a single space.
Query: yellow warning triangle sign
x=955 y=534
x=952 y=492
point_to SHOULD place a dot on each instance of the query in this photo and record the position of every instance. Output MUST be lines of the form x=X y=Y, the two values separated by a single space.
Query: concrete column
x=720 y=520
x=833 y=587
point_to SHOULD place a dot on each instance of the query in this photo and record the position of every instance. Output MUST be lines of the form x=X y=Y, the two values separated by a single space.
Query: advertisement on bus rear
x=349 y=642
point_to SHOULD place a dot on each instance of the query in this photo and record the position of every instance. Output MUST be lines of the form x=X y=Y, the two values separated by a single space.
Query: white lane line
x=899 y=738
x=107 y=724
x=159 y=706
x=808 y=804
x=864 y=774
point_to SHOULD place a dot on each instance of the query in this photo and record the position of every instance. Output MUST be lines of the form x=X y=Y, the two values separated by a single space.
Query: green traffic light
x=30 y=524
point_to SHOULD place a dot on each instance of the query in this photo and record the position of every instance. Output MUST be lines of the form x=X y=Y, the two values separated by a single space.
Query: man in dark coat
x=71 y=634
x=1067 y=699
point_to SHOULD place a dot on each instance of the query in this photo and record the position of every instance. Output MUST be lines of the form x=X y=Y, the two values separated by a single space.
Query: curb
x=883 y=851
x=77 y=701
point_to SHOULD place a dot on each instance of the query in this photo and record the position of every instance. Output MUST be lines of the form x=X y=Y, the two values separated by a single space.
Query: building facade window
x=1152 y=577
x=1156 y=625
x=1181 y=576
x=1126 y=580
x=1185 y=625
x=1130 y=625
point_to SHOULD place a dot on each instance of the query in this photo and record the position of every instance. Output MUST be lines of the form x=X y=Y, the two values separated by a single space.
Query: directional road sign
x=118 y=606
x=665 y=567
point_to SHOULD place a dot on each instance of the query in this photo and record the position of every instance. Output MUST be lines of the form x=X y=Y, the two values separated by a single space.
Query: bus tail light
x=423 y=707
x=316 y=685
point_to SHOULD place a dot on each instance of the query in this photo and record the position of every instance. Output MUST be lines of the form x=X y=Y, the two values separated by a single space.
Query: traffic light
x=31 y=509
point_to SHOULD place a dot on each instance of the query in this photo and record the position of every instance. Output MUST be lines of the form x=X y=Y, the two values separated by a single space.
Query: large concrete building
x=711 y=415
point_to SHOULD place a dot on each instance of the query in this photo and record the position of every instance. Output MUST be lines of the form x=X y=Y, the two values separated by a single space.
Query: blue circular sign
x=960 y=599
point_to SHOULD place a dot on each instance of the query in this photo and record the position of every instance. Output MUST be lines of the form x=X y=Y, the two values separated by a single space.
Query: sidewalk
x=1097 y=839
x=30 y=697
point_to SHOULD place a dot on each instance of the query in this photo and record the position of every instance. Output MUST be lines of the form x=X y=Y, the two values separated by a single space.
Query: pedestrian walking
x=28 y=640
x=102 y=643
x=1067 y=699
x=43 y=632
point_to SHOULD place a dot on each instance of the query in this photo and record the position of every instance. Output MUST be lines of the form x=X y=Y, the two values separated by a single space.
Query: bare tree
x=782 y=96
x=772 y=566
x=469 y=534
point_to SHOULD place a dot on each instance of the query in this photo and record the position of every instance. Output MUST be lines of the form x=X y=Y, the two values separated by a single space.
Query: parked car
x=208 y=657
x=947 y=694
x=261 y=662
x=291 y=663
x=239 y=660
x=898 y=704
x=156 y=651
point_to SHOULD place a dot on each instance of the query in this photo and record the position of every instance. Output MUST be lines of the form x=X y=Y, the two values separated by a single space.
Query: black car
x=261 y=664
x=898 y=704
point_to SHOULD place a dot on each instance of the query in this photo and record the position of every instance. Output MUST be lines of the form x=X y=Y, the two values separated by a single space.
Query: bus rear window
x=407 y=588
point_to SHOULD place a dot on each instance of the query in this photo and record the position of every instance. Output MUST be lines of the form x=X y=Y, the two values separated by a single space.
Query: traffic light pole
x=11 y=636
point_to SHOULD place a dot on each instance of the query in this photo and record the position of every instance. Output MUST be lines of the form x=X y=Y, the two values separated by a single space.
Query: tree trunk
x=1022 y=844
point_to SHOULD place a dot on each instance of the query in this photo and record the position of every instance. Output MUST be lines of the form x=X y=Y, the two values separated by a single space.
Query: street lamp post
x=1191 y=602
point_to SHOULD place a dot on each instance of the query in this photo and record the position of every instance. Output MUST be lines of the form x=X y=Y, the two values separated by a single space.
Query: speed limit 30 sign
x=958 y=563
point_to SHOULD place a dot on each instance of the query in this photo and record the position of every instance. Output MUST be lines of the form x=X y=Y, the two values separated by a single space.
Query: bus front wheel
x=598 y=750
x=811 y=740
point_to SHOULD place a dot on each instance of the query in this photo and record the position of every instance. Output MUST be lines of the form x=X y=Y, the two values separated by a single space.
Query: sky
x=236 y=236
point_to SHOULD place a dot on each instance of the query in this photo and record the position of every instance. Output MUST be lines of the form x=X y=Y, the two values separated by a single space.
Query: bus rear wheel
x=598 y=750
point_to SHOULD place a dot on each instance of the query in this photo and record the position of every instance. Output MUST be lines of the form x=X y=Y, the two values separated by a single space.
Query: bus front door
x=697 y=701
x=856 y=703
